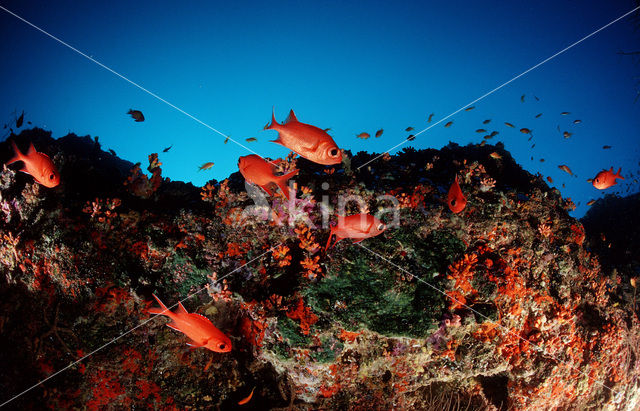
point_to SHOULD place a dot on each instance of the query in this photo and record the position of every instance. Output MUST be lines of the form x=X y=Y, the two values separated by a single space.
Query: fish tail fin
x=618 y=175
x=162 y=310
x=274 y=123
x=282 y=180
x=18 y=156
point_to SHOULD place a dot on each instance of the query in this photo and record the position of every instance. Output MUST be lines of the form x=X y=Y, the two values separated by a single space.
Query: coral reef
x=510 y=304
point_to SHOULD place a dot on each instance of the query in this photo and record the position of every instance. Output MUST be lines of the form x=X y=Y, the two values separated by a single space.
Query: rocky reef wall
x=503 y=306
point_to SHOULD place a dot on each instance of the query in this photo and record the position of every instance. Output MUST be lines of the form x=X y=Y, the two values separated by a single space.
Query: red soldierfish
x=309 y=141
x=606 y=179
x=357 y=226
x=259 y=171
x=39 y=165
x=455 y=199
x=195 y=326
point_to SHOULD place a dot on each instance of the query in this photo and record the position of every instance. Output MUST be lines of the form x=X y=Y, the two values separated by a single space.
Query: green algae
x=361 y=290
x=328 y=351
x=185 y=275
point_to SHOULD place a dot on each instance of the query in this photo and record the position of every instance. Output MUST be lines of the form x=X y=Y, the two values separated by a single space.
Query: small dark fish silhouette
x=538 y=115
x=327 y=129
x=566 y=134
x=494 y=133
x=136 y=115
x=481 y=130
x=379 y=132
x=525 y=130
x=364 y=135
x=167 y=149
x=487 y=121
x=469 y=108
x=20 y=120
x=509 y=125
x=565 y=113
x=522 y=98
x=226 y=140
x=430 y=118
x=536 y=97
x=606 y=147
x=408 y=129
x=449 y=124
x=577 y=121
x=28 y=122
x=251 y=139
x=411 y=137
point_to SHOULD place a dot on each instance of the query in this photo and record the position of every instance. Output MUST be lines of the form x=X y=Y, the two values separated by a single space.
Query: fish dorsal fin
x=181 y=309
x=32 y=150
x=291 y=118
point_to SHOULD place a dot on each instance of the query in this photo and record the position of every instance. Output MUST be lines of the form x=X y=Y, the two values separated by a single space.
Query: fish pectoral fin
x=368 y=230
x=195 y=344
x=313 y=147
x=357 y=241
x=359 y=230
x=278 y=141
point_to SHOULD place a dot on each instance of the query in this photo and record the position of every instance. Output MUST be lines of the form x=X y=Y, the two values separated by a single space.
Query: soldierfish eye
x=333 y=152
x=381 y=227
x=52 y=176
x=453 y=202
x=222 y=346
